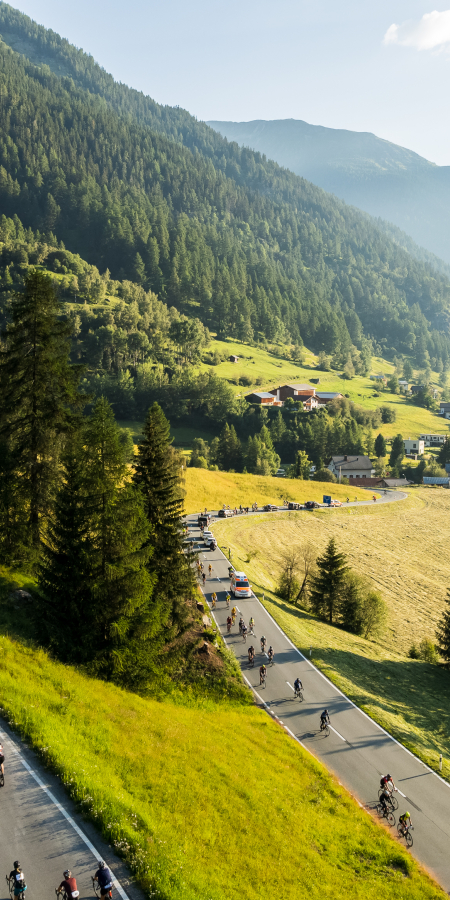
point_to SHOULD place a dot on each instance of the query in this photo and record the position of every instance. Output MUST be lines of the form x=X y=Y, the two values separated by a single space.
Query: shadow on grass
x=402 y=694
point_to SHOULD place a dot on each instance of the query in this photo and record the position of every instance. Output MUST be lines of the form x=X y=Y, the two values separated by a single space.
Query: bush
x=324 y=475
x=413 y=652
x=387 y=414
x=245 y=380
x=428 y=652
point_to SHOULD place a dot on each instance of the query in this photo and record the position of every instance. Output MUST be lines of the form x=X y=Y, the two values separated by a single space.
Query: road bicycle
x=98 y=890
x=11 y=886
x=298 y=695
x=392 y=802
x=251 y=660
x=325 y=728
x=385 y=813
x=2 y=779
x=262 y=680
x=406 y=833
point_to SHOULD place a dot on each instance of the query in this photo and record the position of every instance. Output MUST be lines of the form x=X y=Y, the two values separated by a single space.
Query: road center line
x=339 y=735
x=66 y=815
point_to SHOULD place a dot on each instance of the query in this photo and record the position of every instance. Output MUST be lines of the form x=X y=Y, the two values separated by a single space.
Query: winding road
x=357 y=750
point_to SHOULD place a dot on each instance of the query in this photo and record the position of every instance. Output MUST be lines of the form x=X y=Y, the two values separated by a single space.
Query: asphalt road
x=357 y=750
x=42 y=829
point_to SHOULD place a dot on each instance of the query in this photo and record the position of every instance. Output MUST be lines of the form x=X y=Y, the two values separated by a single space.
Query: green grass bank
x=203 y=800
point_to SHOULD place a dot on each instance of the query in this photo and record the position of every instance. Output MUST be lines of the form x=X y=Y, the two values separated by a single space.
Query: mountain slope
x=216 y=231
x=375 y=175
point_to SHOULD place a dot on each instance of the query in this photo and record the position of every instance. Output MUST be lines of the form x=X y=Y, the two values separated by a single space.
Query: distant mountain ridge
x=379 y=177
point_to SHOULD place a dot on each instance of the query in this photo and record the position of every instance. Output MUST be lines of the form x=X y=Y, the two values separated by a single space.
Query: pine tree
x=380 y=446
x=39 y=390
x=127 y=617
x=327 y=585
x=66 y=614
x=13 y=511
x=443 y=631
x=397 y=451
x=157 y=474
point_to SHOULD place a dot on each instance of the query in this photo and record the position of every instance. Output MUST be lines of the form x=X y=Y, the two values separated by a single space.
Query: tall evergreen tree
x=66 y=615
x=13 y=510
x=39 y=391
x=157 y=474
x=443 y=631
x=397 y=452
x=380 y=446
x=327 y=586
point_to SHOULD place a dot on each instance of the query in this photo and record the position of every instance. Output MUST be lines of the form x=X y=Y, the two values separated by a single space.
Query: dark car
x=225 y=513
x=311 y=504
x=269 y=507
x=203 y=520
x=295 y=506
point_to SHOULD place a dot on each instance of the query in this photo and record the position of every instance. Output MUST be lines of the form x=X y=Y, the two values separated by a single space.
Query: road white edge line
x=66 y=815
x=339 y=735
x=380 y=727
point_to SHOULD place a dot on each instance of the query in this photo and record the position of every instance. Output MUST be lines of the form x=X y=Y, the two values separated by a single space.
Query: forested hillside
x=217 y=232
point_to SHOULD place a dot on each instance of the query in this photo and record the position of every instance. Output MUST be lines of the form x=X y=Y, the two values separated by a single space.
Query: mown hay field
x=212 y=489
x=402 y=547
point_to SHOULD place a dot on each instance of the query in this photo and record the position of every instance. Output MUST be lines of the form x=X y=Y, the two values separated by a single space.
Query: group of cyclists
x=388 y=803
x=68 y=886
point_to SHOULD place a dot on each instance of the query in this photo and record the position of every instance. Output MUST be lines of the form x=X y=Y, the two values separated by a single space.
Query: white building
x=433 y=440
x=414 y=447
x=351 y=467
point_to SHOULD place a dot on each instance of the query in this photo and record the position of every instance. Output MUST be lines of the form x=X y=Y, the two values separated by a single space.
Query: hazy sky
x=368 y=66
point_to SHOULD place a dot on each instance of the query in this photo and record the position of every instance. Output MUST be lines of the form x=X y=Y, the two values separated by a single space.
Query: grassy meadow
x=209 y=489
x=401 y=547
x=203 y=800
x=257 y=363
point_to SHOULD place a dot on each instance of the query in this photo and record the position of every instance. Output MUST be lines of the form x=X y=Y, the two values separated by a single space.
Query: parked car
x=239 y=585
x=269 y=507
x=225 y=513
x=335 y=503
x=295 y=506
x=311 y=504
x=203 y=520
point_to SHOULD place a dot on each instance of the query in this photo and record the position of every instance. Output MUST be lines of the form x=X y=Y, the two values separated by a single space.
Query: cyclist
x=68 y=886
x=227 y=599
x=251 y=624
x=244 y=631
x=229 y=623
x=297 y=686
x=405 y=822
x=384 y=799
x=262 y=674
x=213 y=599
x=234 y=612
x=210 y=569
x=270 y=654
x=204 y=577
x=2 y=760
x=251 y=655
x=387 y=783
x=263 y=644
x=104 y=878
x=241 y=623
x=18 y=879
x=324 y=719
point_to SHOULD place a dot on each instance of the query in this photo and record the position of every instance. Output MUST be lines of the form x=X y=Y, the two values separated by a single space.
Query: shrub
x=324 y=475
x=387 y=414
x=428 y=652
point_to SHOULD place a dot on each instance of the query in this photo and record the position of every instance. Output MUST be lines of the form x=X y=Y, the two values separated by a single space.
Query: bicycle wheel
x=391 y=818
x=300 y=696
x=400 y=830
x=394 y=803
x=409 y=839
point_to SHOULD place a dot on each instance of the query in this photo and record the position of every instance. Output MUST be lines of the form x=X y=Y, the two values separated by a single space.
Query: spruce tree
x=380 y=446
x=327 y=586
x=157 y=474
x=39 y=391
x=443 y=631
x=66 y=616
x=13 y=510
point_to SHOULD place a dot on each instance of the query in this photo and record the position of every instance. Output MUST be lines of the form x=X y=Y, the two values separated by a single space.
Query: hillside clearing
x=401 y=547
x=210 y=489
x=192 y=788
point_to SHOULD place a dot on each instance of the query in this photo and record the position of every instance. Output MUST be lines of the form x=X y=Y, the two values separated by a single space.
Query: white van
x=239 y=585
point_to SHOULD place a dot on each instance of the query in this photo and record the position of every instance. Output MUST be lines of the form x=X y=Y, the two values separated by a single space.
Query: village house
x=262 y=398
x=414 y=447
x=444 y=409
x=351 y=467
x=294 y=391
x=233 y=359
x=432 y=440
x=325 y=397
